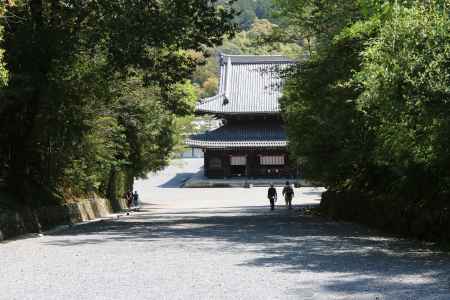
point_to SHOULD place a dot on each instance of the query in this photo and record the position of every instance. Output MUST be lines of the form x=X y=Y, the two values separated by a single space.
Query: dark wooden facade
x=218 y=164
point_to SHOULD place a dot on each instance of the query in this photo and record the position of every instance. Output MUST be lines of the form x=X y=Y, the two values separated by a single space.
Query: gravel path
x=219 y=244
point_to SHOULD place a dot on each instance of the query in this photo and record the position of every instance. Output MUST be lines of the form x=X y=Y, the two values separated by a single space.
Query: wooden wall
x=213 y=169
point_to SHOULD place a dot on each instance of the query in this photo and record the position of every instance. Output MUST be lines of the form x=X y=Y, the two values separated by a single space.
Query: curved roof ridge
x=247 y=84
x=261 y=134
x=254 y=59
x=253 y=55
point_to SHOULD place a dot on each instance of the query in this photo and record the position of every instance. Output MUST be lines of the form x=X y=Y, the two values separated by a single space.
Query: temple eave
x=236 y=144
x=225 y=113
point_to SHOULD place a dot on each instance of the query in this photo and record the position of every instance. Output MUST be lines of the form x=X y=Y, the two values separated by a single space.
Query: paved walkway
x=219 y=244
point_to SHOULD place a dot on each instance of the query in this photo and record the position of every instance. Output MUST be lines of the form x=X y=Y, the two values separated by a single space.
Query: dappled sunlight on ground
x=226 y=244
x=344 y=258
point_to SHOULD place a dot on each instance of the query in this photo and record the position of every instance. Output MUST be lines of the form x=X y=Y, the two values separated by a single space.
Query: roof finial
x=227 y=81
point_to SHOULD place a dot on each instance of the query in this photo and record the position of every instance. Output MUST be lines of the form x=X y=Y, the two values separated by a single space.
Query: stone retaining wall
x=27 y=221
x=400 y=216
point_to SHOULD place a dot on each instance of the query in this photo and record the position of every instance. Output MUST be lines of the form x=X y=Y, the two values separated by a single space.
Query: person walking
x=129 y=198
x=135 y=199
x=288 y=193
x=272 y=195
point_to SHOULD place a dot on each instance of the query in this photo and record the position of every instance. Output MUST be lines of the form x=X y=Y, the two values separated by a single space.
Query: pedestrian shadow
x=359 y=259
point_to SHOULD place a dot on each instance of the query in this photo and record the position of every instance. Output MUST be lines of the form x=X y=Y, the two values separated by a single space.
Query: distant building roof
x=261 y=135
x=248 y=84
x=254 y=59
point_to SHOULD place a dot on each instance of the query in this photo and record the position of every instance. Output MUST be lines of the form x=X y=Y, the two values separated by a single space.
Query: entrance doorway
x=238 y=166
x=238 y=171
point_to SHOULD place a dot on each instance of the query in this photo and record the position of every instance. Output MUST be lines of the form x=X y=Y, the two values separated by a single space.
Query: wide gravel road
x=219 y=244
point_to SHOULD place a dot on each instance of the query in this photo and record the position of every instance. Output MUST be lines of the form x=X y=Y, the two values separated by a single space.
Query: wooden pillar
x=205 y=163
x=226 y=163
x=252 y=164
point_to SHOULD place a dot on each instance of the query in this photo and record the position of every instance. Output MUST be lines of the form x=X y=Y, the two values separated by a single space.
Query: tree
x=151 y=129
x=66 y=62
x=317 y=22
x=370 y=101
x=249 y=10
x=3 y=71
x=324 y=123
x=405 y=82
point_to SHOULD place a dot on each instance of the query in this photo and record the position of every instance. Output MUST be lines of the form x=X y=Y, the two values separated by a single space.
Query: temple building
x=251 y=141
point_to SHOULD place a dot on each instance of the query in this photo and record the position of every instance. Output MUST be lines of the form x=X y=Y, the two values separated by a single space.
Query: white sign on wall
x=271 y=160
x=238 y=160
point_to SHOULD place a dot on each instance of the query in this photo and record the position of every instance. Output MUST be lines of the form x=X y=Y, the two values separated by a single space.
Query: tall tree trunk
x=111 y=192
x=36 y=9
x=20 y=179
x=129 y=179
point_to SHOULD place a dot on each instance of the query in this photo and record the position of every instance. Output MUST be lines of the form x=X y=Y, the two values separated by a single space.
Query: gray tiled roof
x=248 y=84
x=261 y=135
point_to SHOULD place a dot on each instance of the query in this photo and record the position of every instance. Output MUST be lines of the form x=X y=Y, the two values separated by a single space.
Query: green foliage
x=406 y=83
x=250 y=10
x=317 y=22
x=324 y=124
x=103 y=147
x=3 y=71
x=96 y=88
x=369 y=109
x=252 y=42
x=150 y=129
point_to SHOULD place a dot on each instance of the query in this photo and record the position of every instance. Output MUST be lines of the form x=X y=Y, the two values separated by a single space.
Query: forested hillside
x=249 y=10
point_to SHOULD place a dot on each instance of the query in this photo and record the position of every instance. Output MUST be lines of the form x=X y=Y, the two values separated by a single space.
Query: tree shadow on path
x=176 y=181
x=359 y=260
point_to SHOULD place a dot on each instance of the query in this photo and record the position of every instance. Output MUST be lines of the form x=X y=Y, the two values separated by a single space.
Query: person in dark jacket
x=288 y=193
x=136 y=199
x=272 y=195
